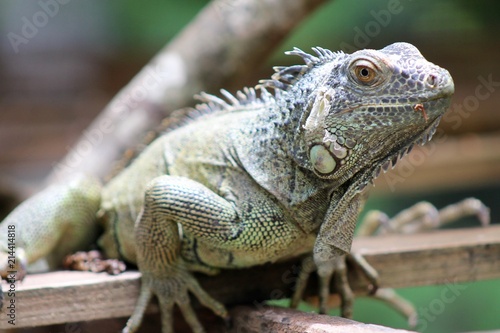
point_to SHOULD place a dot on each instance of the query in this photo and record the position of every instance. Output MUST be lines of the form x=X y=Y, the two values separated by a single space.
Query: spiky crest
x=283 y=77
x=212 y=103
x=286 y=76
x=245 y=99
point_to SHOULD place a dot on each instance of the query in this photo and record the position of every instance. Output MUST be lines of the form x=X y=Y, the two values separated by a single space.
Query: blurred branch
x=222 y=46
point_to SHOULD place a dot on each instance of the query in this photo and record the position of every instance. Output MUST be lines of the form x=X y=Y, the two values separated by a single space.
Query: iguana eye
x=365 y=72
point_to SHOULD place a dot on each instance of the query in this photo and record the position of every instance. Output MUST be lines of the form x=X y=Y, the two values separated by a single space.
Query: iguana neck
x=290 y=115
x=287 y=175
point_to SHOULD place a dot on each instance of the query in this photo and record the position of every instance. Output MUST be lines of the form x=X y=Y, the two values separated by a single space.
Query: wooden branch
x=281 y=320
x=222 y=47
x=438 y=257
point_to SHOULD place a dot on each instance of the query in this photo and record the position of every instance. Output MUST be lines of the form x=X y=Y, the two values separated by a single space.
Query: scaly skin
x=263 y=179
x=51 y=224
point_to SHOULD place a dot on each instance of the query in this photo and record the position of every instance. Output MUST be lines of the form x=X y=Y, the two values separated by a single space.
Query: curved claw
x=142 y=302
x=343 y=288
x=399 y=304
x=336 y=269
x=307 y=267
x=324 y=292
x=466 y=207
x=368 y=271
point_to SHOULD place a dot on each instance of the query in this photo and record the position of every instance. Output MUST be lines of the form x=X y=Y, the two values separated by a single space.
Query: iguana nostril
x=431 y=80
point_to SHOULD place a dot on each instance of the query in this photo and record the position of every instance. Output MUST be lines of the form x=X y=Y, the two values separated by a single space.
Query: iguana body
x=262 y=179
x=218 y=160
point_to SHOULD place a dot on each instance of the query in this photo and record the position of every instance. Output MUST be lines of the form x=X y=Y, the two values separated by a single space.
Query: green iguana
x=251 y=180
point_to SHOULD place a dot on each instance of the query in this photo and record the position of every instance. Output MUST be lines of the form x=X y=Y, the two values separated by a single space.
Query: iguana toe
x=173 y=289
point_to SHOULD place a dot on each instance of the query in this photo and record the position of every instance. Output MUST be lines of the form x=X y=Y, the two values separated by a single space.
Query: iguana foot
x=337 y=271
x=172 y=289
x=422 y=216
x=341 y=285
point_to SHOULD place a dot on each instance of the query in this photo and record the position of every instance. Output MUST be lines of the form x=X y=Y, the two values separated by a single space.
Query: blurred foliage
x=147 y=26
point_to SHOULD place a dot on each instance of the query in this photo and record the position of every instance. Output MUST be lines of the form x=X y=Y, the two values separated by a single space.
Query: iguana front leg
x=332 y=244
x=174 y=205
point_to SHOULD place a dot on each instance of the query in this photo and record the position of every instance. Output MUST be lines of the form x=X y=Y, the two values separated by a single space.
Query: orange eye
x=364 y=74
x=368 y=72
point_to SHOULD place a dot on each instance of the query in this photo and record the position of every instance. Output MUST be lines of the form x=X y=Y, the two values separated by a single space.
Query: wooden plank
x=449 y=256
x=458 y=255
x=58 y=297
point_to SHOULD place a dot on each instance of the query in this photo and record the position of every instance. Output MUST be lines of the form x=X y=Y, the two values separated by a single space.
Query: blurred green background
x=53 y=86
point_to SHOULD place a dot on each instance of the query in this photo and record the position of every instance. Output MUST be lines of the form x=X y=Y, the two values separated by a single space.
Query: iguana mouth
x=416 y=105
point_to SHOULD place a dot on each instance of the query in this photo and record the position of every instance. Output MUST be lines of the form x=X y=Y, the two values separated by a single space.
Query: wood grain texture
x=439 y=257
x=281 y=320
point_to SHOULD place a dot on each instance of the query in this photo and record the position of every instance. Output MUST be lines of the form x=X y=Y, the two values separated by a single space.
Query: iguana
x=255 y=178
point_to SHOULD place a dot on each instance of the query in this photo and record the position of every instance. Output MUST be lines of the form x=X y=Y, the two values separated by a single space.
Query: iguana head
x=364 y=110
